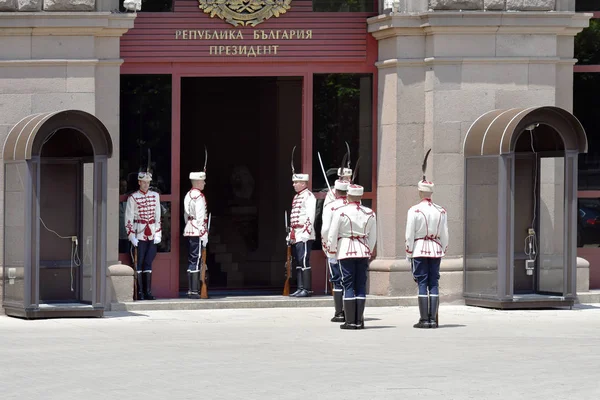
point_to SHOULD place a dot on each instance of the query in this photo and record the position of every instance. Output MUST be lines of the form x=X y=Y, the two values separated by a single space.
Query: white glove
x=333 y=260
x=204 y=241
x=134 y=241
x=409 y=259
x=156 y=240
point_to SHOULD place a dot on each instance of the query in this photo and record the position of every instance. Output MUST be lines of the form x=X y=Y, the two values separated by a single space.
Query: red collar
x=144 y=193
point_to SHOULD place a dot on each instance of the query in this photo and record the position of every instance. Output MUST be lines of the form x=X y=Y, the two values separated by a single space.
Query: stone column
x=365 y=129
x=438 y=72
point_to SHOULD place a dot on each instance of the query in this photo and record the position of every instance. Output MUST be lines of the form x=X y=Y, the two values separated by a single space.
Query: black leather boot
x=195 y=286
x=338 y=302
x=360 y=310
x=434 y=302
x=306 y=280
x=424 y=313
x=147 y=278
x=350 y=312
x=298 y=283
x=140 y=290
x=189 y=292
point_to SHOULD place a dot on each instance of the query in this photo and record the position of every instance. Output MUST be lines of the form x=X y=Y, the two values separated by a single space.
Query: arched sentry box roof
x=26 y=138
x=496 y=132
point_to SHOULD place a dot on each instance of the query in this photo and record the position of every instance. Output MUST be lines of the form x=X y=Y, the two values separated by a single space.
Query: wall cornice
x=477 y=22
x=60 y=62
x=429 y=61
x=65 y=23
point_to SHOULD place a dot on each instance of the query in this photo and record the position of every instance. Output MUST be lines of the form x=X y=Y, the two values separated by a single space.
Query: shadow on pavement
x=584 y=307
x=121 y=314
x=379 y=326
x=451 y=326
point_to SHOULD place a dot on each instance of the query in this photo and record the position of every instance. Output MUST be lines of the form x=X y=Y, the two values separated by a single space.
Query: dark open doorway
x=249 y=126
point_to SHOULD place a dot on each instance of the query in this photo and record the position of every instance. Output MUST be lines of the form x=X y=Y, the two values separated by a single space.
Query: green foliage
x=145 y=123
x=587 y=44
x=336 y=119
x=343 y=5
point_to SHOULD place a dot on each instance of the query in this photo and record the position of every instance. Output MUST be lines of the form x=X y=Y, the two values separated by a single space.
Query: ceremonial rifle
x=204 y=289
x=288 y=262
x=135 y=261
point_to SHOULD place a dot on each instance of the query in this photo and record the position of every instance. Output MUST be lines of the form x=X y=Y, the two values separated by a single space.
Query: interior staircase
x=225 y=269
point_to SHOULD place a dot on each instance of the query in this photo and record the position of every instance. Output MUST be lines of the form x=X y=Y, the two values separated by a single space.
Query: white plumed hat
x=355 y=190
x=341 y=185
x=425 y=185
x=300 y=177
x=197 y=176
x=144 y=176
x=344 y=172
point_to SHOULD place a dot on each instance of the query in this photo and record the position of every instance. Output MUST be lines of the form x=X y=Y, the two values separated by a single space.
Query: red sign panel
x=189 y=34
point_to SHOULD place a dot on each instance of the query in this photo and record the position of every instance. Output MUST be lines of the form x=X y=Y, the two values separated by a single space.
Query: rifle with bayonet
x=204 y=289
x=288 y=261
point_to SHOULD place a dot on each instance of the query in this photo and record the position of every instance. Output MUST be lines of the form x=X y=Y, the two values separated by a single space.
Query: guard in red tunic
x=196 y=230
x=143 y=226
x=302 y=232
x=426 y=244
x=351 y=240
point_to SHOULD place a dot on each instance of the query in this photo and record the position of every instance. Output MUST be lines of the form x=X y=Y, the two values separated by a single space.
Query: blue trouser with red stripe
x=354 y=277
x=426 y=271
x=335 y=275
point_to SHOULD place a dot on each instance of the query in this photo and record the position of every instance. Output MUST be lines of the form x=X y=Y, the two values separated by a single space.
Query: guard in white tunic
x=351 y=240
x=426 y=244
x=335 y=276
x=143 y=226
x=196 y=230
x=302 y=233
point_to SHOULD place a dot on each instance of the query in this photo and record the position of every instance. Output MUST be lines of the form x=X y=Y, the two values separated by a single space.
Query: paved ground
x=298 y=354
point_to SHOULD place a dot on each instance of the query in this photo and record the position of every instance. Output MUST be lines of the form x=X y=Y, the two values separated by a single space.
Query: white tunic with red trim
x=330 y=198
x=302 y=216
x=426 y=230
x=195 y=214
x=142 y=216
x=353 y=232
x=328 y=211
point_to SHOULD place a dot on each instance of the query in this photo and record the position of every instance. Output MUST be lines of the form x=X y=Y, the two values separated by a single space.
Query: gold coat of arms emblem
x=245 y=12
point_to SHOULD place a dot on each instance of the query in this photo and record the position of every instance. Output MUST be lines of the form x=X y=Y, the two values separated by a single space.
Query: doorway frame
x=224 y=70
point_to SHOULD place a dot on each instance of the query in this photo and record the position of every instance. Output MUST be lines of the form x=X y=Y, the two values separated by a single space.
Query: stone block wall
x=478 y=5
x=47 y=5
x=438 y=71
x=493 y=5
x=54 y=61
